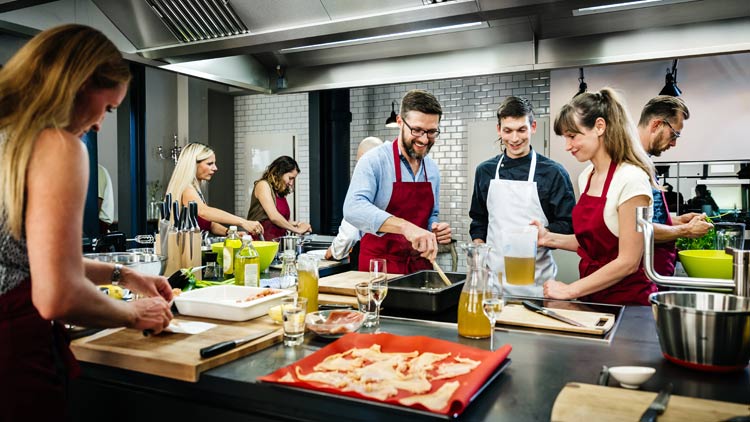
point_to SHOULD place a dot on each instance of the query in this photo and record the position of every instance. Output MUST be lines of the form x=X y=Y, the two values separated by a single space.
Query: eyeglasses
x=675 y=134
x=431 y=134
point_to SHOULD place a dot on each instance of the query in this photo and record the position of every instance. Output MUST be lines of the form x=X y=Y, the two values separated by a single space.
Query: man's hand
x=442 y=232
x=147 y=285
x=421 y=240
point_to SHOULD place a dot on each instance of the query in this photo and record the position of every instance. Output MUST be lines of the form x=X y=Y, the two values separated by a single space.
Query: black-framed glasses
x=675 y=134
x=431 y=134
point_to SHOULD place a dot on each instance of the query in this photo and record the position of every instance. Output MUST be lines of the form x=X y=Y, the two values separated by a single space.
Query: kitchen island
x=541 y=366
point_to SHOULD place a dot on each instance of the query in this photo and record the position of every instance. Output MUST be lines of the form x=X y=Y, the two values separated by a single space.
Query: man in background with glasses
x=659 y=127
x=393 y=195
x=517 y=186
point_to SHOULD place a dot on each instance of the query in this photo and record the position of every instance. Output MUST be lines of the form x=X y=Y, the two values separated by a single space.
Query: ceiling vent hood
x=198 y=20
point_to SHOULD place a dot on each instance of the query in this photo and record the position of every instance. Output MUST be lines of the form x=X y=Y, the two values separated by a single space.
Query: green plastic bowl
x=266 y=250
x=707 y=263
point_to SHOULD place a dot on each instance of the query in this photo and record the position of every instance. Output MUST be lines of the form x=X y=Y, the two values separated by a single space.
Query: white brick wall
x=464 y=100
x=271 y=113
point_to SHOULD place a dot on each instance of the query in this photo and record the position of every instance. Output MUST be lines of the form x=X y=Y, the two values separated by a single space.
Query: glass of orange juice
x=519 y=249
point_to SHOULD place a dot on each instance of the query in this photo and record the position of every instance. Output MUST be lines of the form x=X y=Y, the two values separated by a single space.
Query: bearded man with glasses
x=394 y=193
x=659 y=127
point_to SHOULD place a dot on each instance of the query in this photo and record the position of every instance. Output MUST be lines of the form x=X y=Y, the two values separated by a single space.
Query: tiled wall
x=260 y=114
x=463 y=100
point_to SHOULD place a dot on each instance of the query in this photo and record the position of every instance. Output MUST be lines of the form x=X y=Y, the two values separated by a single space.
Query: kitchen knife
x=224 y=346
x=658 y=406
x=552 y=314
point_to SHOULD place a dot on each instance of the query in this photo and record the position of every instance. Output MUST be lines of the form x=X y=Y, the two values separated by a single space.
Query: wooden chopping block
x=343 y=283
x=595 y=322
x=191 y=258
x=578 y=402
x=173 y=355
x=174 y=257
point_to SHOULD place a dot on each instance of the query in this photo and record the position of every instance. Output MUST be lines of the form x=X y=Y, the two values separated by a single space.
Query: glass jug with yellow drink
x=472 y=321
x=247 y=264
x=519 y=250
x=307 y=279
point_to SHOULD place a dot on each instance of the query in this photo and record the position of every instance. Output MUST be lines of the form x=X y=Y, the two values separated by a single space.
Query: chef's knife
x=658 y=406
x=552 y=314
x=224 y=346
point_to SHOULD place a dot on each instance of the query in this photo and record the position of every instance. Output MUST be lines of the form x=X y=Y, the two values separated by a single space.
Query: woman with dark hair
x=268 y=203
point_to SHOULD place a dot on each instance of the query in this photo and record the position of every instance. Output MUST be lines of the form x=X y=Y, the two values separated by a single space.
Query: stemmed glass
x=378 y=284
x=492 y=301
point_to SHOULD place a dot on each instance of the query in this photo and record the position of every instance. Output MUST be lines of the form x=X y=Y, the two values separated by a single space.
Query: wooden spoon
x=441 y=273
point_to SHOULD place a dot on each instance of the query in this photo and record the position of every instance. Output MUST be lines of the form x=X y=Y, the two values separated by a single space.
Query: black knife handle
x=217 y=349
x=649 y=415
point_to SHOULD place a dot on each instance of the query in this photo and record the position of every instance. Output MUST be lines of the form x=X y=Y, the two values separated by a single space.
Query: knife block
x=174 y=257
x=191 y=256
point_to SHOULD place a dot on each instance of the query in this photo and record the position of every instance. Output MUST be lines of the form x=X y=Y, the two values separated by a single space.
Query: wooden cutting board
x=585 y=402
x=343 y=283
x=595 y=322
x=173 y=355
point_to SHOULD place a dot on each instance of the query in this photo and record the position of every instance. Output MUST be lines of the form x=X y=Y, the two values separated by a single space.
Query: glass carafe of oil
x=472 y=322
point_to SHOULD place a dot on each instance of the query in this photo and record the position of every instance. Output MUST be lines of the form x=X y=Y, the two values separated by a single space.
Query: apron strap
x=532 y=167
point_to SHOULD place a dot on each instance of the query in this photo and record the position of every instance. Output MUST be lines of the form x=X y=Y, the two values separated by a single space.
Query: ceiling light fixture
x=670 y=86
x=582 y=87
x=616 y=7
x=391 y=120
x=383 y=37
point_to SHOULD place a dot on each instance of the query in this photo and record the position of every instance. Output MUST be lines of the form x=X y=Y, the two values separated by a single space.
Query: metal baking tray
x=424 y=291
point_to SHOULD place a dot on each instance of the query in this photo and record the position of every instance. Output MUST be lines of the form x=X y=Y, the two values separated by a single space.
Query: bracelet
x=116 y=274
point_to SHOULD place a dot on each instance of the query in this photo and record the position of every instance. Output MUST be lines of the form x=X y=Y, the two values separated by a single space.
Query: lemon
x=115 y=292
x=275 y=313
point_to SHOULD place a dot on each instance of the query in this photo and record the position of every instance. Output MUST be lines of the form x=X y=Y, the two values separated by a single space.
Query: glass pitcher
x=288 y=275
x=472 y=322
x=307 y=273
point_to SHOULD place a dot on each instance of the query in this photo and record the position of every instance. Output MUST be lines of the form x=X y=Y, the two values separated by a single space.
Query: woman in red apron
x=597 y=128
x=196 y=165
x=43 y=276
x=268 y=202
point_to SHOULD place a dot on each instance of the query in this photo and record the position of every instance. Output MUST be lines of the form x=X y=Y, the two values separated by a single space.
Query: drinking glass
x=293 y=311
x=366 y=304
x=492 y=301
x=378 y=284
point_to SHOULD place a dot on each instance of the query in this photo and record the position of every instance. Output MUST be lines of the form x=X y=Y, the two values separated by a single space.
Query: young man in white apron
x=516 y=187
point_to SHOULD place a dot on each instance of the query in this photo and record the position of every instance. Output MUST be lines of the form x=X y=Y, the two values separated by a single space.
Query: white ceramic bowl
x=631 y=376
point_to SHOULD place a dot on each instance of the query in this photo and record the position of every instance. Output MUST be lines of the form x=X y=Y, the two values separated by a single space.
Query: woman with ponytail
x=597 y=128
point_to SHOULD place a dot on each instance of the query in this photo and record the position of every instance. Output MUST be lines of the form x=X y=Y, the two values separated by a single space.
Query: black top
x=552 y=183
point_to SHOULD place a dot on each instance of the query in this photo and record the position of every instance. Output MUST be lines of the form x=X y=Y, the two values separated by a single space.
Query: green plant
x=154 y=189
x=707 y=241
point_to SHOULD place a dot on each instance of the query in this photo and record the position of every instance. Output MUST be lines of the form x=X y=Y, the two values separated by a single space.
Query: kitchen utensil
x=597 y=323
x=424 y=291
x=145 y=263
x=658 y=406
x=334 y=323
x=228 y=302
x=293 y=310
x=552 y=314
x=471 y=321
x=603 y=378
x=366 y=305
x=702 y=330
x=519 y=251
x=631 y=376
x=707 y=263
x=440 y=272
x=224 y=346
x=143 y=239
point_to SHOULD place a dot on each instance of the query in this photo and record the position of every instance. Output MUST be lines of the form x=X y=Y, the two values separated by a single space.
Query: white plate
x=225 y=302
x=320 y=253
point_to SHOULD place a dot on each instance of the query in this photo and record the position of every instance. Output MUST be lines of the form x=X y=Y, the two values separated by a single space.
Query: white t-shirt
x=627 y=182
x=346 y=239
x=107 y=213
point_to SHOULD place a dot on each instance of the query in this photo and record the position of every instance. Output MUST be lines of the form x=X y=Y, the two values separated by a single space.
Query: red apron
x=35 y=361
x=598 y=247
x=270 y=230
x=412 y=201
x=665 y=253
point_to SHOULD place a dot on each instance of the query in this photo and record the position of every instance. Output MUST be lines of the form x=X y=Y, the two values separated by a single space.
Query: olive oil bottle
x=247 y=264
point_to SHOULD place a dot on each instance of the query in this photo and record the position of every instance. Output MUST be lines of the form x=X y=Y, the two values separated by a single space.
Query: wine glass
x=492 y=301
x=378 y=284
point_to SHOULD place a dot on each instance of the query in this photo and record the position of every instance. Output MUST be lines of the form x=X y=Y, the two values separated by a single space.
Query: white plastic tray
x=220 y=302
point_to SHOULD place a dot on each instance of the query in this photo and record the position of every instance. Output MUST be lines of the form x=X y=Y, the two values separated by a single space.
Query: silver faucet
x=740 y=268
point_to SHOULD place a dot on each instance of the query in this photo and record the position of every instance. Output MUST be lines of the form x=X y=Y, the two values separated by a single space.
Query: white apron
x=510 y=204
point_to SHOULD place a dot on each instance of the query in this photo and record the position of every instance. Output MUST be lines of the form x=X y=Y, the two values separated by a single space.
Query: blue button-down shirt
x=372 y=185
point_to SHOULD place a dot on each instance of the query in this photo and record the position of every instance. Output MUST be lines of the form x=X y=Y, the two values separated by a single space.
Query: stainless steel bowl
x=147 y=263
x=701 y=330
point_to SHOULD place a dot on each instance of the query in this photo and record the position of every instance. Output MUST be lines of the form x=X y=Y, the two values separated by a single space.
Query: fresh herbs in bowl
x=707 y=241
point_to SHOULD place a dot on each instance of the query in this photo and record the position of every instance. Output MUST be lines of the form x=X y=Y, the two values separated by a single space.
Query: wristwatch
x=116 y=274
